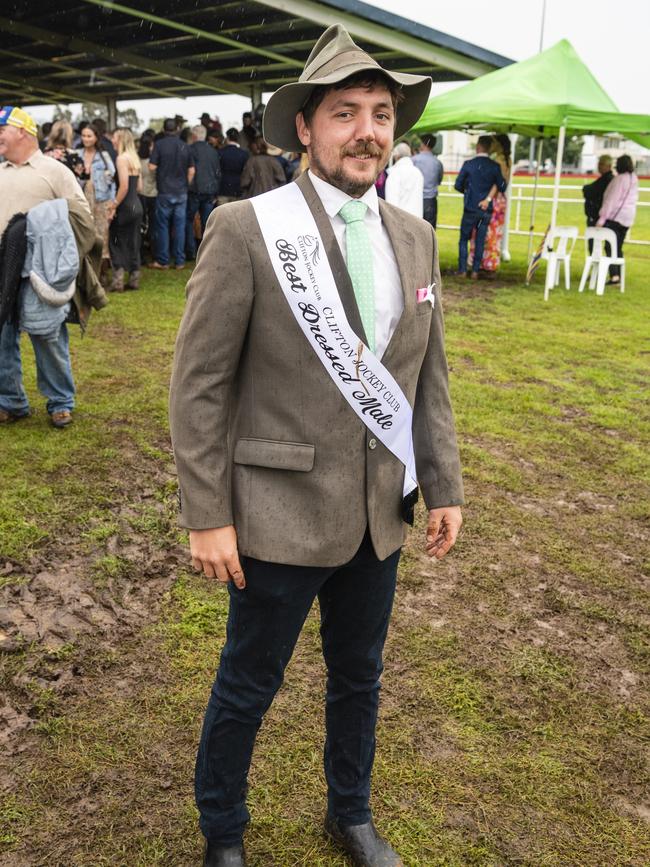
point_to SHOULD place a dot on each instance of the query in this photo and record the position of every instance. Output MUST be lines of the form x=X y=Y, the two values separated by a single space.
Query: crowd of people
x=151 y=197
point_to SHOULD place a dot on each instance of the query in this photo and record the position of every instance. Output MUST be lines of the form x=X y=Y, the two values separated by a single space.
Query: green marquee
x=535 y=97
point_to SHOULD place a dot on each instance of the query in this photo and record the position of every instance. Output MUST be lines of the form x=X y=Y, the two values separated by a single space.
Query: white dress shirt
x=405 y=186
x=389 y=298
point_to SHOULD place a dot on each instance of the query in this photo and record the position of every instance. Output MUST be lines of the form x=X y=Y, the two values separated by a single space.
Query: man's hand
x=442 y=529
x=214 y=552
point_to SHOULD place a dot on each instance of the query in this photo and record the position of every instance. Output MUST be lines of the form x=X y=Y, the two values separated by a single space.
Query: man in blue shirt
x=479 y=180
x=233 y=159
x=202 y=196
x=432 y=171
x=173 y=163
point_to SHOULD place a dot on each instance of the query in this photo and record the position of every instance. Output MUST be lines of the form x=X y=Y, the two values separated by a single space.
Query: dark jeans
x=430 y=210
x=203 y=203
x=620 y=232
x=264 y=622
x=479 y=220
x=170 y=214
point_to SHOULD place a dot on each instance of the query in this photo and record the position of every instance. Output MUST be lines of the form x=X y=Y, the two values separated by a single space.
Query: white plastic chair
x=565 y=236
x=597 y=262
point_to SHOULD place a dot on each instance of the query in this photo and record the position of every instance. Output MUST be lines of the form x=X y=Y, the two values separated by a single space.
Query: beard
x=338 y=177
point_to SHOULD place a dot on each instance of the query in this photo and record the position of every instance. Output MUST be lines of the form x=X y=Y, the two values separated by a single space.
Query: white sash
x=296 y=251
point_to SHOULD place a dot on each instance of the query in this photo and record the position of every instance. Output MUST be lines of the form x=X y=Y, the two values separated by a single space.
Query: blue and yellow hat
x=13 y=116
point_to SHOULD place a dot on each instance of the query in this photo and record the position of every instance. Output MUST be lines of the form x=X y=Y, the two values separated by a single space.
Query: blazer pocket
x=423 y=308
x=275 y=454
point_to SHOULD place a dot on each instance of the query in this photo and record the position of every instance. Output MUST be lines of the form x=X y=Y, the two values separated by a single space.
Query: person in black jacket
x=479 y=180
x=594 y=192
x=233 y=159
x=202 y=194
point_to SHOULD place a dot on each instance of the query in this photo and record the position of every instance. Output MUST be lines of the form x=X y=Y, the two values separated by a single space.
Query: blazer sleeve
x=434 y=433
x=461 y=179
x=208 y=347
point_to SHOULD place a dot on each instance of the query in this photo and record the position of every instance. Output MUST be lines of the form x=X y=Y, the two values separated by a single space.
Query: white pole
x=505 y=252
x=534 y=202
x=111 y=107
x=558 y=174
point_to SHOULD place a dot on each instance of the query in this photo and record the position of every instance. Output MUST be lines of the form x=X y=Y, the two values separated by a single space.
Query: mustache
x=361 y=150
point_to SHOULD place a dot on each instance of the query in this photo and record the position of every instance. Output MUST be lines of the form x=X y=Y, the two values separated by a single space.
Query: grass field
x=515 y=714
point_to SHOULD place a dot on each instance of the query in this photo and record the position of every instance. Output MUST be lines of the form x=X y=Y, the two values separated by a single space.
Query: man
x=211 y=124
x=404 y=183
x=479 y=179
x=292 y=479
x=233 y=159
x=172 y=161
x=432 y=172
x=594 y=193
x=27 y=178
x=215 y=137
x=249 y=132
x=203 y=190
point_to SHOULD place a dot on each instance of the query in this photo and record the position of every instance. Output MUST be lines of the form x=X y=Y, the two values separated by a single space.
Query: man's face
x=350 y=137
x=604 y=166
x=11 y=138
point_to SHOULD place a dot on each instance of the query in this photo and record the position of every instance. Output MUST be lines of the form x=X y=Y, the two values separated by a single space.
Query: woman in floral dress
x=500 y=152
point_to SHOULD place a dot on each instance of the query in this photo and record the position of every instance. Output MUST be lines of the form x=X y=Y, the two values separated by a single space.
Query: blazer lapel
x=403 y=243
x=334 y=255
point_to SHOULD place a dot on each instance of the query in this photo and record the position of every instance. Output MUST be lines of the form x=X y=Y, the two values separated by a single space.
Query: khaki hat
x=334 y=58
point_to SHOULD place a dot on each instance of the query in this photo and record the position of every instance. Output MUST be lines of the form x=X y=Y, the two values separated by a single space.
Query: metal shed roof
x=98 y=50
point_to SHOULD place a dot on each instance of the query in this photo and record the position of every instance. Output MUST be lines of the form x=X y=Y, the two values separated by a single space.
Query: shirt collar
x=30 y=160
x=482 y=154
x=333 y=199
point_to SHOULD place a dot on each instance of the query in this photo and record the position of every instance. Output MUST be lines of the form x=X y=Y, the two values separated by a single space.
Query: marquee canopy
x=535 y=97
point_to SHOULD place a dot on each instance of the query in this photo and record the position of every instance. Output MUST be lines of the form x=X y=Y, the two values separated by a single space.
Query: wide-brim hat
x=334 y=58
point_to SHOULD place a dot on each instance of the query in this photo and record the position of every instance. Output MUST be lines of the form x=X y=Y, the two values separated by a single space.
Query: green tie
x=360 y=264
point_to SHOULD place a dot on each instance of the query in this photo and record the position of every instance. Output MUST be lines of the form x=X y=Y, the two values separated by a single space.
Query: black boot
x=224 y=856
x=363 y=844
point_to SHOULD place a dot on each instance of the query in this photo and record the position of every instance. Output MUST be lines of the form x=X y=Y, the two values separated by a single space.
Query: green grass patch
x=515 y=712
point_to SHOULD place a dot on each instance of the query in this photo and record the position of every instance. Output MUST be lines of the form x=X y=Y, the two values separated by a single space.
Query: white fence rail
x=522 y=192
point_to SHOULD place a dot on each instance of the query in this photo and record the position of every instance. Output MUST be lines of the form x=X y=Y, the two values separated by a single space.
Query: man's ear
x=303 y=130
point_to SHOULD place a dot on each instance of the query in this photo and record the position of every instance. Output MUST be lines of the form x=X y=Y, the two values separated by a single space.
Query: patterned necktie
x=360 y=264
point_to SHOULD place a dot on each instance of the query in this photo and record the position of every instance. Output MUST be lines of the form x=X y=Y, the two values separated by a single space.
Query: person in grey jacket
x=289 y=492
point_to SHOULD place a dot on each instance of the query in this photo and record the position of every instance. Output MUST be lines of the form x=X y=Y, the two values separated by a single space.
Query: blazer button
x=372 y=443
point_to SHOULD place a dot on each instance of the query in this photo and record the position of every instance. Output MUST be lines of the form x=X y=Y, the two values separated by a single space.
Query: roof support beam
x=21 y=87
x=382 y=36
x=65 y=69
x=119 y=55
x=195 y=31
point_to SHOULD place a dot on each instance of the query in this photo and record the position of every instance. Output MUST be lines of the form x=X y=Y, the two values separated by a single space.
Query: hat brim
x=279 y=122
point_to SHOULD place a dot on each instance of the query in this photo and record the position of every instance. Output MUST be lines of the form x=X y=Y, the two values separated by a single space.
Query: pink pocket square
x=426 y=294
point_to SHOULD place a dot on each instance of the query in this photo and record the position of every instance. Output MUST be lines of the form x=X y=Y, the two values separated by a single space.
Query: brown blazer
x=262 y=437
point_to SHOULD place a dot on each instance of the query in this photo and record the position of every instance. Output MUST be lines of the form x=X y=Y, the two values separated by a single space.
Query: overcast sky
x=610 y=37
